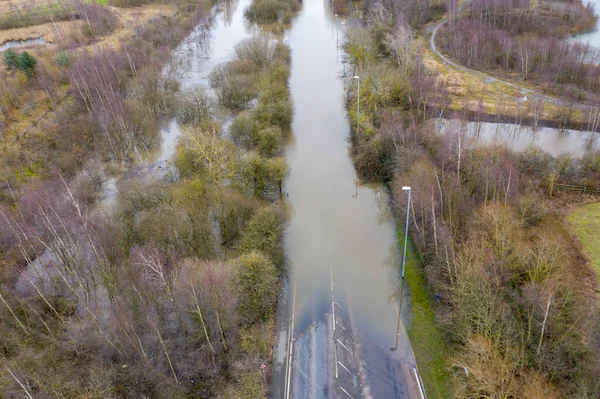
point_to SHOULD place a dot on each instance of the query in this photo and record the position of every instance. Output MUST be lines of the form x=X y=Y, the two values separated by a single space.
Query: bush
x=243 y=130
x=264 y=233
x=257 y=49
x=269 y=141
x=269 y=12
x=235 y=84
x=256 y=279
x=24 y=62
x=194 y=106
x=278 y=114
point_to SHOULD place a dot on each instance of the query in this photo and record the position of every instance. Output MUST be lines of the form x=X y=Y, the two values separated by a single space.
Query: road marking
x=419 y=383
x=341 y=325
x=336 y=361
x=331 y=277
x=291 y=344
x=339 y=305
x=333 y=315
x=346 y=392
x=346 y=368
x=348 y=349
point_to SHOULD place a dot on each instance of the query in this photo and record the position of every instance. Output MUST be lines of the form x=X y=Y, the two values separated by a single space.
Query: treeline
x=526 y=39
x=518 y=305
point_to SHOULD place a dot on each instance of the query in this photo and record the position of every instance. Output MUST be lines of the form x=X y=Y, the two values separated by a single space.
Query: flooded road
x=341 y=236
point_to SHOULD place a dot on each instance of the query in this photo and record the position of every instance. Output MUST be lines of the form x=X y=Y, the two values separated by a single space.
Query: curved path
x=524 y=90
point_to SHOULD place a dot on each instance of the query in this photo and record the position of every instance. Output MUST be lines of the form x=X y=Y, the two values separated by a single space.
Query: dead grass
x=469 y=88
x=39 y=106
x=51 y=32
x=130 y=18
x=59 y=32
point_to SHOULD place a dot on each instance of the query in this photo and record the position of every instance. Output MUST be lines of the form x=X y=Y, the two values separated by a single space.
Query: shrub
x=256 y=281
x=235 y=84
x=24 y=62
x=263 y=234
x=257 y=49
x=10 y=59
x=269 y=141
x=64 y=59
x=269 y=12
x=243 y=130
x=275 y=114
x=194 y=106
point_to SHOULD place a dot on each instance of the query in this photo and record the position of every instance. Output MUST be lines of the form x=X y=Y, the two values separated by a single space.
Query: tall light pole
x=337 y=31
x=358 y=110
x=405 y=188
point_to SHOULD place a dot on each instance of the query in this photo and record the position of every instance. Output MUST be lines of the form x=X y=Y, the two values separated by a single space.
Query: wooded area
x=518 y=300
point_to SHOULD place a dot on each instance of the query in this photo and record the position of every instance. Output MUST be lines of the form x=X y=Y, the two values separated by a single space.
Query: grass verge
x=586 y=224
x=426 y=337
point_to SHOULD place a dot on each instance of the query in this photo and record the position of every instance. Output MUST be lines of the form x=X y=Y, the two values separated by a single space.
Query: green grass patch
x=586 y=224
x=427 y=340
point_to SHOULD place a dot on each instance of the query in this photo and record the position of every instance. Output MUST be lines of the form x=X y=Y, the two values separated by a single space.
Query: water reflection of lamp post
x=405 y=188
x=358 y=105
x=337 y=31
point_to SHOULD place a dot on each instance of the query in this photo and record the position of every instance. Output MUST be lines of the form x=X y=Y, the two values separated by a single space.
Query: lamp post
x=337 y=31
x=358 y=108
x=405 y=188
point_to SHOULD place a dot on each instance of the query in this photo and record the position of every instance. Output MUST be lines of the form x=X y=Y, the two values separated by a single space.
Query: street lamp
x=405 y=188
x=358 y=105
x=337 y=31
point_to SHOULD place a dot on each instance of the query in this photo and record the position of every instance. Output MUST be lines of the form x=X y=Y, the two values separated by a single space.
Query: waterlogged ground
x=205 y=47
x=521 y=138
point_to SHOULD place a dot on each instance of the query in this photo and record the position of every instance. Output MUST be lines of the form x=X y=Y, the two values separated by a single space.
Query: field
x=586 y=224
x=425 y=335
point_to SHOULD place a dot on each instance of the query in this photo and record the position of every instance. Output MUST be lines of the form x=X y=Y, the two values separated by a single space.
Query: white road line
x=339 y=305
x=346 y=368
x=331 y=277
x=333 y=315
x=419 y=383
x=348 y=349
x=291 y=345
x=341 y=325
x=336 y=361
x=346 y=392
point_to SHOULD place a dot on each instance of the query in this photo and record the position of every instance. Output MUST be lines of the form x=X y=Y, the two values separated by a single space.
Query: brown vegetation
x=518 y=300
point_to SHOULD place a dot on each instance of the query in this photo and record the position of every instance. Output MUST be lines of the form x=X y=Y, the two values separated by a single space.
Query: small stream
x=22 y=43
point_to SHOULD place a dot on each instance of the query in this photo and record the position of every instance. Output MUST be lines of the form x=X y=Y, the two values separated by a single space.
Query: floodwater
x=592 y=38
x=337 y=228
x=22 y=43
x=554 y=141
x=205 y=47
x=196 y=57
